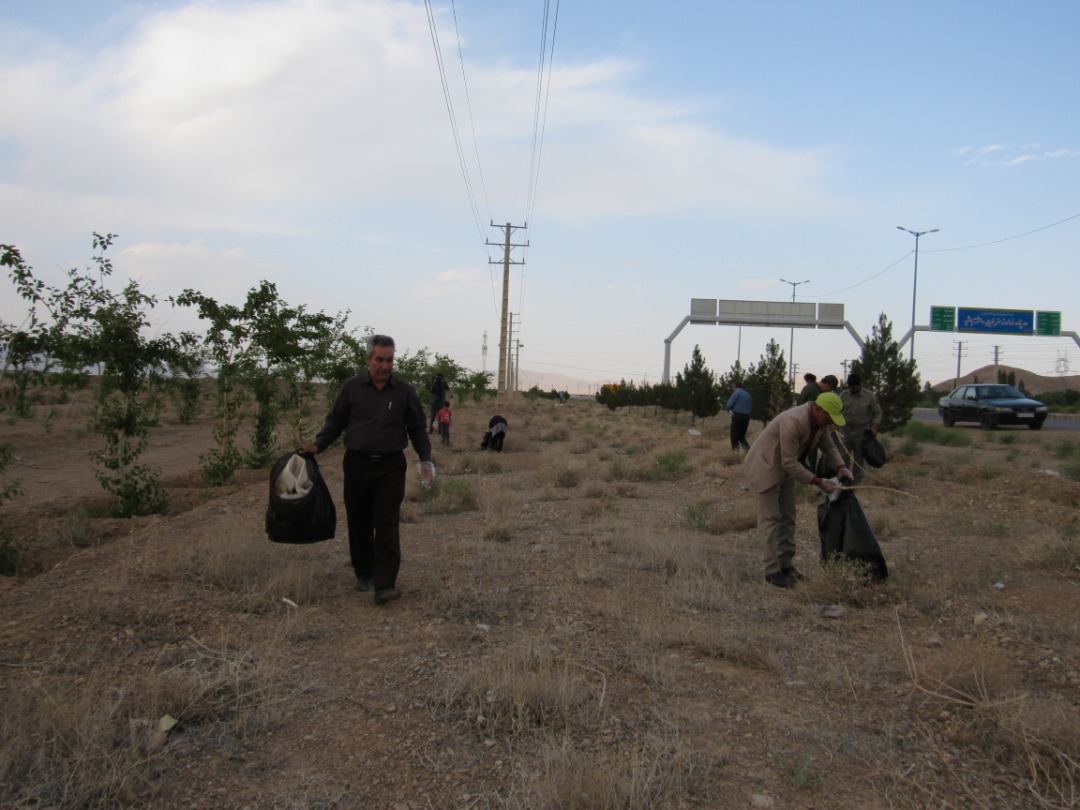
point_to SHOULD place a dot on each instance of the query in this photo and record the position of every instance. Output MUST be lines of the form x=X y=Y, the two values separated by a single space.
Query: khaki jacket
x=860 y=411
x=775 y=453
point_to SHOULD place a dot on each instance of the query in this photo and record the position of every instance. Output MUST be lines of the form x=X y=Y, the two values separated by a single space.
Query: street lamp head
x=916 y=234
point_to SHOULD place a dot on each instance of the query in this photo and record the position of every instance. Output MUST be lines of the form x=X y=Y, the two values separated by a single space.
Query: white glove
x=427 y=474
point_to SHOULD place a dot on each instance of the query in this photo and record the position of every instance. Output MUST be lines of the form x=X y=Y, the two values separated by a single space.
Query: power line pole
x=512 y=359
x=483 y=352
x=959 y=354
x=791 y=343
x=997 y=356
x=504 y=334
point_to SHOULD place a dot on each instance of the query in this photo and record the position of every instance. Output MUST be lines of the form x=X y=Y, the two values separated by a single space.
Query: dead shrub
x=524 y=691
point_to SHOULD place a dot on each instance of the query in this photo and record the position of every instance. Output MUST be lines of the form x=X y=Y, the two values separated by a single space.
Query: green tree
x=186 y=376
x=476 y=384
x=86 y=325
x=254 y=345
x=885 y=372
x=695 y=388
x=767 y=382
x=341 y=355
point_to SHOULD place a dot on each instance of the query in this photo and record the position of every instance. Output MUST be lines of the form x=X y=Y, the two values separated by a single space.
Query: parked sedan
x=990 y=406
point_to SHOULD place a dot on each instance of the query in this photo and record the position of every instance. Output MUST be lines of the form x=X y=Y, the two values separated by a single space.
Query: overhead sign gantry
x=784 y=314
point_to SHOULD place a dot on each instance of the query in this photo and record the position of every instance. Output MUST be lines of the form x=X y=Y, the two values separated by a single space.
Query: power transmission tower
x=1063 y=368
x=959 y=354
x=504 y=334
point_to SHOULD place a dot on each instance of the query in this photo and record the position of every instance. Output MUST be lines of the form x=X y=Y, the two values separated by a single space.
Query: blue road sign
x=995 y=321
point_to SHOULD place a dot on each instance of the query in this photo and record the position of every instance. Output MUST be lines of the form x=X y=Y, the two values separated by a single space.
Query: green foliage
x=931 y=433
x=536 y=393
x=121 y=421
x=259 y=344
x=185 y=378
x=86 y=325
x=695 y=388
x=476 y=384
x=669 y=466
x=885 y=372
x=767 y=383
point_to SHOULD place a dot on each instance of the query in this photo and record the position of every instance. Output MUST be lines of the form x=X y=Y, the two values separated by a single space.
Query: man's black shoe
x=793 y=573
x=384 y=595
x=778 y=580
x=363 y=584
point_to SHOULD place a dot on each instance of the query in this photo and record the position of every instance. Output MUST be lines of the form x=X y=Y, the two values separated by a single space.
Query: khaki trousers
x=776 y=525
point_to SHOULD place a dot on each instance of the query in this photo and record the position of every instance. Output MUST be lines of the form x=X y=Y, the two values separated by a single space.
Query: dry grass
x=584 y=626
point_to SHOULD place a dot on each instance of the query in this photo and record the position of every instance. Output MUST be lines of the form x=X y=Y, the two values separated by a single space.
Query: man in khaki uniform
x=862 y=416
x=773 y=465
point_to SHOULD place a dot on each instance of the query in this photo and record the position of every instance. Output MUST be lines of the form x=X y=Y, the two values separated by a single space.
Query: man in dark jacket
x=809 y=391
x=739 y=405
x=379 y=414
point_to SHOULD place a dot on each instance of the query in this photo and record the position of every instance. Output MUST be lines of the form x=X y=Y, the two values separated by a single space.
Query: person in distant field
x=379 y=414
x=439 y=388
x=862 y=413
x=772 y=466
x=739 y=405
x=496 y=434
x=809 y=391
x=445 y=418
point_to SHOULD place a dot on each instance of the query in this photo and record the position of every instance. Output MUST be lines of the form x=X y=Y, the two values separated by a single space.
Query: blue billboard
x=995 y=321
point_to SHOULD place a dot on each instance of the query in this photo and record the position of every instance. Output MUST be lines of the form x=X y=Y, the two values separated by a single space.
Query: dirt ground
x=584 y=625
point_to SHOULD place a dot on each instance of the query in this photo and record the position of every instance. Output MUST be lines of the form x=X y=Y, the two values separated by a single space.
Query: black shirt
x=377 y=421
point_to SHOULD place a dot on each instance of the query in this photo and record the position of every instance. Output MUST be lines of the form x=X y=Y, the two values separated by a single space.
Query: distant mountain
x=546 y=381
x=1033 y=383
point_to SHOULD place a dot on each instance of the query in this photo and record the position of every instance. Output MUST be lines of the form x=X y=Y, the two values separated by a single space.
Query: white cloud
x=245 y=117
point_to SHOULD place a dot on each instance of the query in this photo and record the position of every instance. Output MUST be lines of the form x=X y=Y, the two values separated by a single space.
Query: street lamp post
x=914 y=281
x=791 y=346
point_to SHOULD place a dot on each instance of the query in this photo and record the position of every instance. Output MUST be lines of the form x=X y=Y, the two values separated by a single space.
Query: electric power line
x=944 y=250
x=453 y=119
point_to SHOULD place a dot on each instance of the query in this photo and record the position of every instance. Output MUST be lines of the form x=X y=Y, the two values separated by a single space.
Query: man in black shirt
x=379 y=414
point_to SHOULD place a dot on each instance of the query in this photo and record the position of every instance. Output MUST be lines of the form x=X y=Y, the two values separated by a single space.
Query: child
x=444 y=418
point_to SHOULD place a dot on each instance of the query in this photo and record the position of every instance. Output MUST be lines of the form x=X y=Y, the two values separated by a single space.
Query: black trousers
x=374 y=491
x=740 y=422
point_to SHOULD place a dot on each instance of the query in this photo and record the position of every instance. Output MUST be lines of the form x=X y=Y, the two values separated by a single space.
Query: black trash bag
x=301 y=509
x=873 y=452
x=496 y=434
x=845 y=532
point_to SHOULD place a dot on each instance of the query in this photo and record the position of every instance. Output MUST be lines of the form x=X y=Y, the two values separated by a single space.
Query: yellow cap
x=833 y=406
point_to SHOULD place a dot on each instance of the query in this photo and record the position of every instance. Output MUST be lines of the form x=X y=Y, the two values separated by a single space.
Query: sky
x=656 y=152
